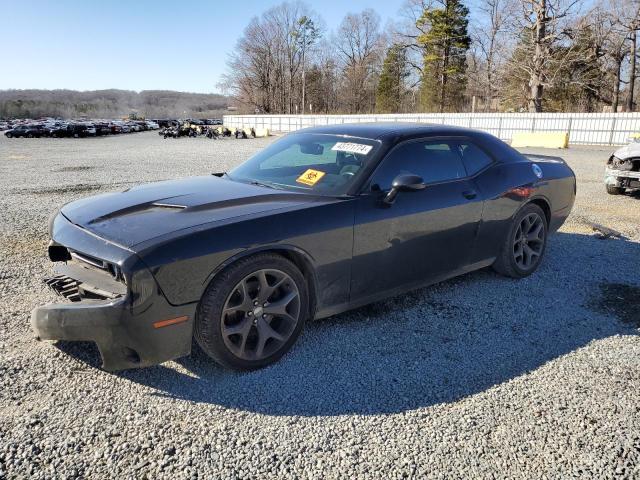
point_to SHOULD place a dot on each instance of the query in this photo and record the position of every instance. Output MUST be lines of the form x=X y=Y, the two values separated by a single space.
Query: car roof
x=386 y=130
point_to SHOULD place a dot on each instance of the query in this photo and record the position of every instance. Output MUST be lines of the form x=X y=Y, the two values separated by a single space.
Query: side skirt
x=344 y=307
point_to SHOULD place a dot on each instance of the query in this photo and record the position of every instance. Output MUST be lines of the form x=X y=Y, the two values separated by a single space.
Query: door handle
x=469 y=194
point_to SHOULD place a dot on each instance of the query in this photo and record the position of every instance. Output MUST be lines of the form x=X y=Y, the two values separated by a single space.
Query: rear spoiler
x=544 y=158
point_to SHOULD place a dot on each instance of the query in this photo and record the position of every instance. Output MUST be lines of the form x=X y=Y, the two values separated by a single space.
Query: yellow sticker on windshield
x=310 y=177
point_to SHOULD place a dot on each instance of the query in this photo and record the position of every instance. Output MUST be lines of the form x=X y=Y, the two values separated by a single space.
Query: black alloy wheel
x=528 y=242
x=252 y=312
x=525 y=244
x=260 y=314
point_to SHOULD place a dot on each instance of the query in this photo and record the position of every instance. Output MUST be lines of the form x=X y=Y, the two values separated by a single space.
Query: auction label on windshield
x=310 y=177
x=360 y=148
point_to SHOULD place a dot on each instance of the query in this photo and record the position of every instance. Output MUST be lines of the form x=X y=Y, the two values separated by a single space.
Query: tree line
x=110 y=104
x=441 y=56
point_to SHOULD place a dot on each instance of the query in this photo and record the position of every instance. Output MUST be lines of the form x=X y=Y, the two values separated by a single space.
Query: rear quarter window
x=473 y=157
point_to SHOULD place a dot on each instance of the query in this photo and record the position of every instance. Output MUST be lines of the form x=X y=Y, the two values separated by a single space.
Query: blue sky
x=135 y=45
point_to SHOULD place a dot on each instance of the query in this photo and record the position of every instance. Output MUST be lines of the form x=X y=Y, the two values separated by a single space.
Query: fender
x=309 y=270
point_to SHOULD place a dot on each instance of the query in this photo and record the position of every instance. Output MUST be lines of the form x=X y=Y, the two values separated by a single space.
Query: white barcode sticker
x=359 y=148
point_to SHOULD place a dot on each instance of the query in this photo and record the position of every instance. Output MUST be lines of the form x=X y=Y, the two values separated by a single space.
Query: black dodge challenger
x=321 y=221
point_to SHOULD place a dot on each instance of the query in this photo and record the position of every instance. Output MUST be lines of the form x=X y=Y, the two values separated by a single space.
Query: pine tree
x=445 y=42
x=391 y=90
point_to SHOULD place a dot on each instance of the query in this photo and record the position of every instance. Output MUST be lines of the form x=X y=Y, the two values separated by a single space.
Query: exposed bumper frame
x=616 y=177
x=126 y=336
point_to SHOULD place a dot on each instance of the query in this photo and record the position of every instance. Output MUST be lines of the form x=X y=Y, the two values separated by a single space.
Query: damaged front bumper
x=124 y=340
x=622 y=178
x=129 y=319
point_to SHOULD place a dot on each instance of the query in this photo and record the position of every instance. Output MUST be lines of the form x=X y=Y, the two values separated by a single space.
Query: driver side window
x=433 y=160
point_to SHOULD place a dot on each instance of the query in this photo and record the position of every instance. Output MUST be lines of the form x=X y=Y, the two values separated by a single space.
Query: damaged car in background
x=622 y=171
x=323 y=220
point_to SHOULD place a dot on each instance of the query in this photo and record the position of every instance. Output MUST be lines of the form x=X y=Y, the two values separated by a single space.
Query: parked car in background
x=29 y=131
x=622 y=171
x=163 y=122
x=58 y=131
x=102 y=128
x=80 y=130
x=57 y=127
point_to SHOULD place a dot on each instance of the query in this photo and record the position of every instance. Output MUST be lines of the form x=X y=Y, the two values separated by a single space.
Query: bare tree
x=359 y=45
x=265 y=67
x=626 y=16
x=612 y=15
x=491 y=42
x=545 y=21
x=617 y=53
x=306 y=34
x=632 y=67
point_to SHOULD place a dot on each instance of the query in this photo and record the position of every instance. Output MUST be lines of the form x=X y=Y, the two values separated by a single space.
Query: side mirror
x=404 y=183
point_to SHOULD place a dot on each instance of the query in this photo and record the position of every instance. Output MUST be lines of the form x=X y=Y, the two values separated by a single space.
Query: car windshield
x=318 y=163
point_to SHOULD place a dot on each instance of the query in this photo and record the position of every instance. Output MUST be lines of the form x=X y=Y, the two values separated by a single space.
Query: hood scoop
x=137 y=208
x=168 y=206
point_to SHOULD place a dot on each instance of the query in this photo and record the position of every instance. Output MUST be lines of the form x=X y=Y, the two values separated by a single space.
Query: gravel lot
x=480 y=376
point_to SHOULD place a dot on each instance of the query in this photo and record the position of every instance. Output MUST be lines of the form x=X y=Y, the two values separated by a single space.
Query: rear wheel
x=525 y=245
x=613 y=190
x=253 y=312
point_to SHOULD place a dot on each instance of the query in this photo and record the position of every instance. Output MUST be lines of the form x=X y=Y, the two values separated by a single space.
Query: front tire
x=253 y=312
x=525 y=244
x=613 y=190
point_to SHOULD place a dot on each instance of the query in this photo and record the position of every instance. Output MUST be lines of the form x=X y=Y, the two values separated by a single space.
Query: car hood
x=628 y=151
x=153 y=210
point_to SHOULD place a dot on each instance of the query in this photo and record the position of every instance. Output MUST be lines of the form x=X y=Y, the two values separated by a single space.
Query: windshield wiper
x=262 y=184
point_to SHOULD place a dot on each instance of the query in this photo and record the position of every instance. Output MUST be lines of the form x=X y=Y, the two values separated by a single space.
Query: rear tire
x=525 y=244
x=252 y=313
x=613 y=190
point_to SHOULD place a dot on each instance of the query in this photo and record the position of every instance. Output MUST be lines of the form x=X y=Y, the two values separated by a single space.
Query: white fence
x=583 y=128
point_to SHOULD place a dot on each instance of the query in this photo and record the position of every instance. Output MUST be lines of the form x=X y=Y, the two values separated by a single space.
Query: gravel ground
x=480 y=376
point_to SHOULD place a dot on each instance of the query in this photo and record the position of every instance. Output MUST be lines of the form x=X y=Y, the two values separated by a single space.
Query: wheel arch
x=543 y=203
x=300 y=258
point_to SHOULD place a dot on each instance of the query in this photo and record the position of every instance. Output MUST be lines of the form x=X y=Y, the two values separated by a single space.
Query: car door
x=424 y=235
